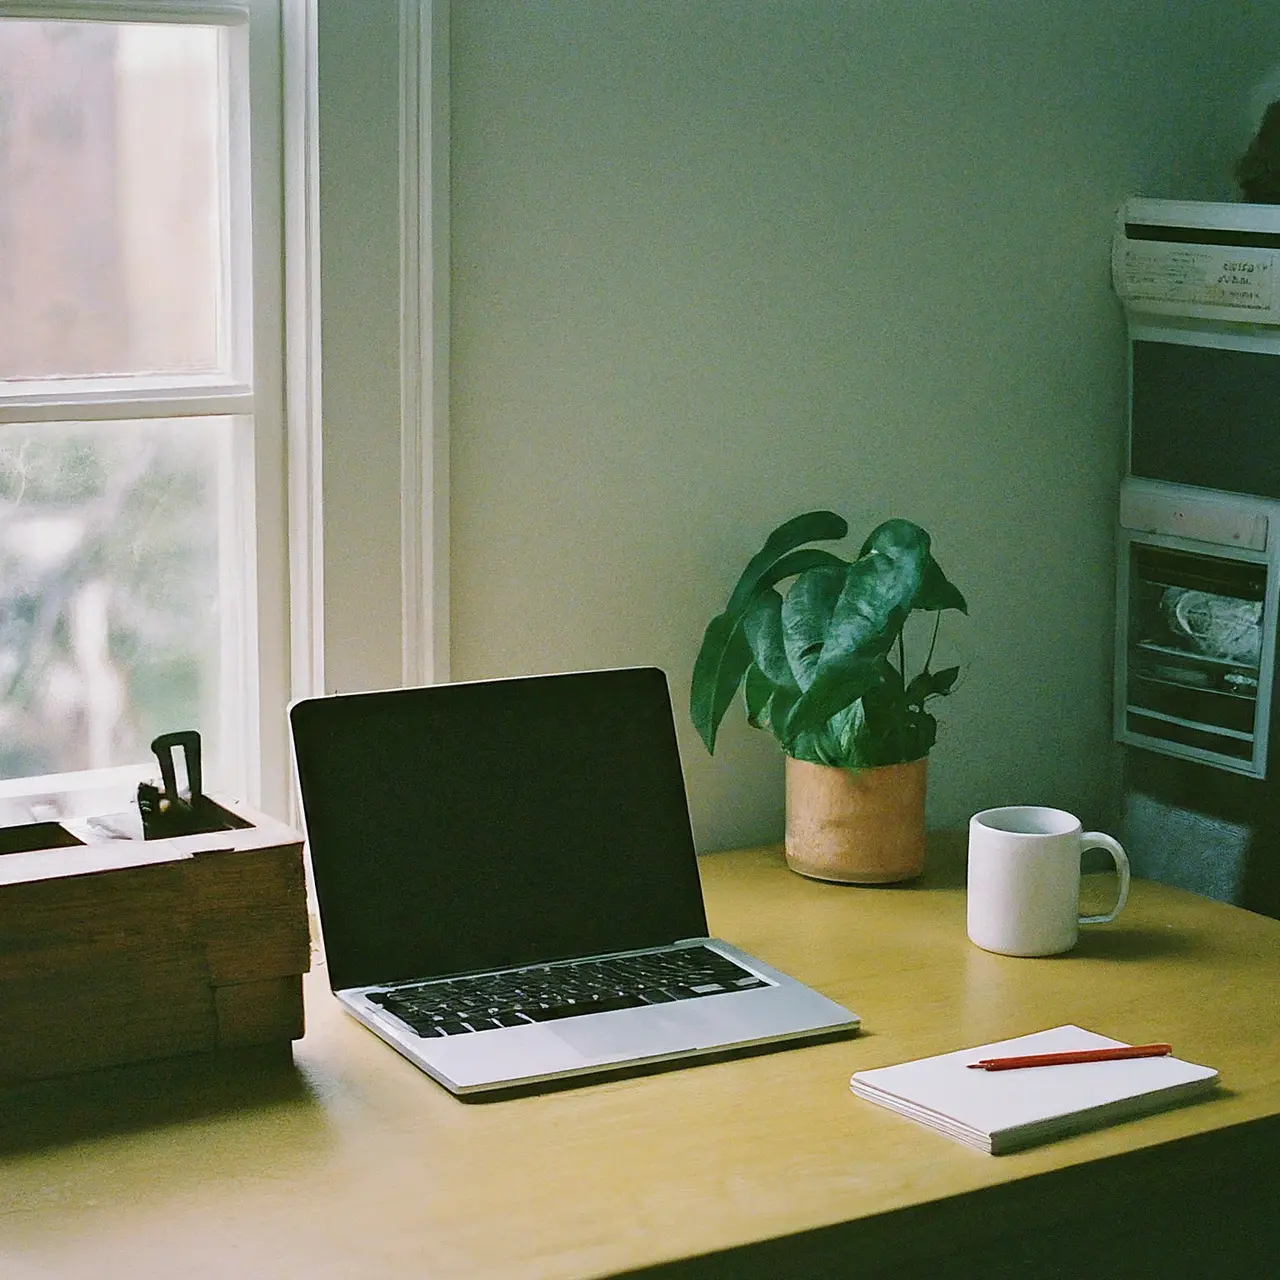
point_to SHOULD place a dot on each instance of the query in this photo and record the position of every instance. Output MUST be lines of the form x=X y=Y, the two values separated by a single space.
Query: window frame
x=381 y=585
x=303 y=635
x=249 y=389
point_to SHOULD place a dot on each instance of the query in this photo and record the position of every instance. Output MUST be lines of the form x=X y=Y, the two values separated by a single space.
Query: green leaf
x=762 y=625
x=839 y=731
x=872 y=607
x=884 y=715
x=888 y=686
x=936 y=593
x=769 y=688
x=757 y=689
x=805 y=746
x=896 y=539
x=893 y=731
x=806 y=615
x=780 y=708
x=926 y=736
x=814 y=666
x=767 y=704
x=831 y=744
x=931 y=684
x=724 y=654
x=813 y=526
x=721 y=663
x=850 y=724
x=944 y=680
x=817 y=746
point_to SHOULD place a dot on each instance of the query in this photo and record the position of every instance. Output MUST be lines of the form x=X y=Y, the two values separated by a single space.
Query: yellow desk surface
x=348 y=1162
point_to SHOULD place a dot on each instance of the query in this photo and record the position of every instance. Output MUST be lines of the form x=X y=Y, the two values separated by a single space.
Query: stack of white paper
x=1002 y=1111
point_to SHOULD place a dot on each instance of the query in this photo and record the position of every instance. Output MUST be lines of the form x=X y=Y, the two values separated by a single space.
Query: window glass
x=128 y=543
x=112 y=223
x=112 y=589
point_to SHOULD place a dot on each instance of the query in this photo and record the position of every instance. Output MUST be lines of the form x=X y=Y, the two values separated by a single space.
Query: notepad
x=1003 y=1111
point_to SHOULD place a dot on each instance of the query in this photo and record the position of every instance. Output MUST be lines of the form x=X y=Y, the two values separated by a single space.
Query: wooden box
x=126 y=950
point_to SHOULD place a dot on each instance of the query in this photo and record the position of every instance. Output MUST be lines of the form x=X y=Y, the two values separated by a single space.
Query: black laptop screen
x=472 y=826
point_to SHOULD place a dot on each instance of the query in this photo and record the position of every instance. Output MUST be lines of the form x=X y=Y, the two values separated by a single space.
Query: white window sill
x=83 y=794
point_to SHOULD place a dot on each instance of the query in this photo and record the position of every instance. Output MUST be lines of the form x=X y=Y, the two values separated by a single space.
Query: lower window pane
x=115 y=591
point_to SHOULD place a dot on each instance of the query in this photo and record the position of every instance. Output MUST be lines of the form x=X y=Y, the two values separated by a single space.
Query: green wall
x=716 y=263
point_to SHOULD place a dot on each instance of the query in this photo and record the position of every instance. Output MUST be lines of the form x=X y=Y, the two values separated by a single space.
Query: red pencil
x=1077 y=1055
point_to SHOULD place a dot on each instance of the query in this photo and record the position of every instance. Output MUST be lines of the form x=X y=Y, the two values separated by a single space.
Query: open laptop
x=507 y=883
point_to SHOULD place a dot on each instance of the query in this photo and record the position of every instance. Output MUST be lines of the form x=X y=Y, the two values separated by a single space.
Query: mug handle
x=1096 y=840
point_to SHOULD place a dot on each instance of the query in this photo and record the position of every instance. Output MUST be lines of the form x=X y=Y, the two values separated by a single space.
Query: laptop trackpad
x=623 y=1037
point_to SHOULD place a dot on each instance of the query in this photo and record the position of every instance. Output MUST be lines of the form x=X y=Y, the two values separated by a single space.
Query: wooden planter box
x=127 y=950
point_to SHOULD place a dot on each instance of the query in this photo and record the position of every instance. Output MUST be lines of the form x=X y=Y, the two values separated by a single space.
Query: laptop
x=507 y=885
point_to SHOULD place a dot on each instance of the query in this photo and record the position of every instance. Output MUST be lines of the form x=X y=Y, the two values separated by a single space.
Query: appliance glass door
x=1197 y=644
x=1205 y=414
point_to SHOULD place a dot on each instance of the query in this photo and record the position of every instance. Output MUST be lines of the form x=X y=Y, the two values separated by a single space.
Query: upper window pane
x=112 y=223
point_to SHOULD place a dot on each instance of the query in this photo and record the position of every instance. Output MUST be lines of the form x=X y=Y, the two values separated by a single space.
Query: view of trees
x=108 y=589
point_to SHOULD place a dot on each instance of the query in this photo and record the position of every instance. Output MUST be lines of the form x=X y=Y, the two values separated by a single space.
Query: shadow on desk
x=145 y=1095
x=1200 y=1210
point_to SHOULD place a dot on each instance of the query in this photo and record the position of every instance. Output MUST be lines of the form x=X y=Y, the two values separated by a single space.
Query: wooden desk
x=348 y=1162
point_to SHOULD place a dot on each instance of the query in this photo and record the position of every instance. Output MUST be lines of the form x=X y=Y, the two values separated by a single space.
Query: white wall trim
x=424 y=339
x=265 y=673
x=96 y=400
x=193 y=11
x=302 y=348
x=436 y=513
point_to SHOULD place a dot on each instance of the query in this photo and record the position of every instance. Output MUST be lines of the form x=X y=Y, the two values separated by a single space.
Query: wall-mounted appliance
x=1199 y=580
x=1200 y=285
x=1199 y=545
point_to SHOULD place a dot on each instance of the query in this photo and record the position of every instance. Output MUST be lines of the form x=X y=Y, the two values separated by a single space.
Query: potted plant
x=824 y=669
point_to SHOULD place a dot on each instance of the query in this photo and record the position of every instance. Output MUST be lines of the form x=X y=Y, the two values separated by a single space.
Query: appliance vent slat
x=1202 y=235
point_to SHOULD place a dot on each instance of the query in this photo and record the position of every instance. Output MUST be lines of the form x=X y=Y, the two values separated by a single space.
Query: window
x=142 y=565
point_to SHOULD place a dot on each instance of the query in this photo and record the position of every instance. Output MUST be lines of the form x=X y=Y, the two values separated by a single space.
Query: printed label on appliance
x=1207 y=275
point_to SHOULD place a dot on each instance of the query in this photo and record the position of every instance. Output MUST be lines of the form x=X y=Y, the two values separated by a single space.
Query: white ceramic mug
x=1024 y=879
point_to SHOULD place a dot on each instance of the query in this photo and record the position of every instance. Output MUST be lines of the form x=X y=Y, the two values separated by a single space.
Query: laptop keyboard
x=546 y=993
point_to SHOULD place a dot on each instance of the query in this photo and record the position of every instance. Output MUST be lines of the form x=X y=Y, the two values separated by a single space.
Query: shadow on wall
x=1176 y=830
x=1258 y=170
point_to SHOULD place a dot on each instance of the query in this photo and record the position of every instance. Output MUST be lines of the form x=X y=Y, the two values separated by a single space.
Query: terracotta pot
x=856 y=826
